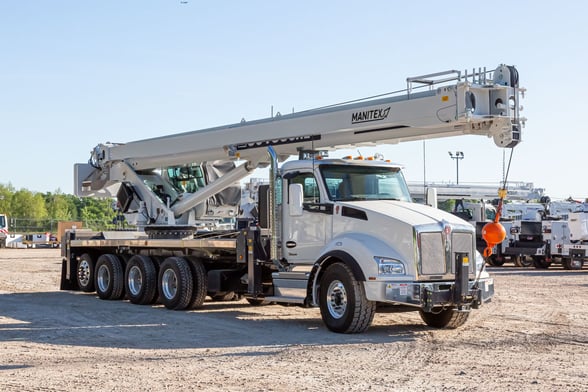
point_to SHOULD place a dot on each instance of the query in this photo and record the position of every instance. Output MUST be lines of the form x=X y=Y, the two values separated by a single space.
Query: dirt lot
x=532 y=337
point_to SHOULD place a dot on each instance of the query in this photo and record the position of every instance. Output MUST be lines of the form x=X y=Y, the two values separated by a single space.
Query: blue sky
x=77 y=73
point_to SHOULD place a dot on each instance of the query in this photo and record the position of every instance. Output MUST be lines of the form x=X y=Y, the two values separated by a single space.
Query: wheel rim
x=103 y=278
x=135 y=280
x=575 y=264
x=169 y=284
x=336 y=299
x=84 y=272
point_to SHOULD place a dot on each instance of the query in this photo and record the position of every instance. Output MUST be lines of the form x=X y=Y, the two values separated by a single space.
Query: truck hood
x=411 y=213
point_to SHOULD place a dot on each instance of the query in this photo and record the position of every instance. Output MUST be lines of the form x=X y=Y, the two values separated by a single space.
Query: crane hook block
x=493 y=233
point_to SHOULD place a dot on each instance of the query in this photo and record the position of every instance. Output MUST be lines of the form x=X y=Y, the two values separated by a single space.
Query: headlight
x=479 y=262
x=387 y=266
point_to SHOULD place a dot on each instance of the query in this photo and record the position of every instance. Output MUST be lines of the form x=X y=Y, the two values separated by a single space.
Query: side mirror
x=296 y=198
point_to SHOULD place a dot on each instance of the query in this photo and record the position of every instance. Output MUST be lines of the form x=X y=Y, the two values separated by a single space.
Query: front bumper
x=429 y=295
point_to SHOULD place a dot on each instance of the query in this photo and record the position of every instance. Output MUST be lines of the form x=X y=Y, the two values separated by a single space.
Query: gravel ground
x=532 y=337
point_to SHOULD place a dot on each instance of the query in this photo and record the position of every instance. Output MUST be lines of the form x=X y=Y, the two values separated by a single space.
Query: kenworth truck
x=339 y=234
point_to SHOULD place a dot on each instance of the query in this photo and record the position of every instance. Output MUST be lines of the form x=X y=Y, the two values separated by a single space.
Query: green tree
x=97 y=213
x=59 y=206
x=6 y=192
x=32 y=211
x=29 y=205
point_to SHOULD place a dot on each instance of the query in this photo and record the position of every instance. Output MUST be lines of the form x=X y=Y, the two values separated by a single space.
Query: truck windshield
x=349 y=183
x=2 y=222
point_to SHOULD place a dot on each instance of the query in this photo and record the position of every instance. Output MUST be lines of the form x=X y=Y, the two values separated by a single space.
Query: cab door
x=305 y=230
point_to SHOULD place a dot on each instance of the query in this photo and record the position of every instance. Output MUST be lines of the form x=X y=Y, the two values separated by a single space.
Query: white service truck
x=339 y=234
x=567 y=239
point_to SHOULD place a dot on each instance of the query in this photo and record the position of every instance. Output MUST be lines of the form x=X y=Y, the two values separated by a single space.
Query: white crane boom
x=482 y=103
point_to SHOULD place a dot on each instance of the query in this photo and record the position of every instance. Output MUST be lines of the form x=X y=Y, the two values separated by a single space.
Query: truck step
x=290 y=285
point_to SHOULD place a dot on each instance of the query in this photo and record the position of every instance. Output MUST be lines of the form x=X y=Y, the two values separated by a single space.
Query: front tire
x=448 y=318
x=343 y=303
x=109 y=277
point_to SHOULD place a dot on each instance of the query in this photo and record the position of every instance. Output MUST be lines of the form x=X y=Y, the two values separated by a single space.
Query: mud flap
x=67 y=284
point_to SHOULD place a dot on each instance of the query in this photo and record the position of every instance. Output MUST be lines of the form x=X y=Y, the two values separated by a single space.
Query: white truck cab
x=360 y=212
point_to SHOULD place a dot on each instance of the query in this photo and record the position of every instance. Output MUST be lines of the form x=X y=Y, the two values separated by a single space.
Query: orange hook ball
x=493 y=233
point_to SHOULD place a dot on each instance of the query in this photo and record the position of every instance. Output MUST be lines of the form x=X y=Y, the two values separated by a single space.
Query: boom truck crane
x=339 y=234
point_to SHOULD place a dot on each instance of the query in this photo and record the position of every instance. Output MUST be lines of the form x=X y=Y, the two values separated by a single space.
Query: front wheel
x=343 y=303
x=448 y=318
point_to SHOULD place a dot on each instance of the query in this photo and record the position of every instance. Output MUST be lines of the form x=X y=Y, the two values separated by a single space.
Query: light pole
x=457 y=156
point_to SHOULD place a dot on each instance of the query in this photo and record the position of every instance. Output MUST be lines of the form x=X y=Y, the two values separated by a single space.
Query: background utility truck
x=340 y=234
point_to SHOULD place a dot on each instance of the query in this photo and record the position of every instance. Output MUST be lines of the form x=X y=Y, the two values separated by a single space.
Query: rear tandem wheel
x=175 y=283
x=110 y=277
x=141 y=280
x=85 y=273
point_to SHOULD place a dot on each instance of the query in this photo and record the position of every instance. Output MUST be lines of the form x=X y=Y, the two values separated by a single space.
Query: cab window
x=309 y=186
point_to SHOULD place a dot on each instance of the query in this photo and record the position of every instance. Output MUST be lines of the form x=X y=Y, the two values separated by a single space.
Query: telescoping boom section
x=438 y=105
x=339 y=234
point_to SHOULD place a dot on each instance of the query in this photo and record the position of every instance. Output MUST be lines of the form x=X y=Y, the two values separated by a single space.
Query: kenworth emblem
x=369 y=115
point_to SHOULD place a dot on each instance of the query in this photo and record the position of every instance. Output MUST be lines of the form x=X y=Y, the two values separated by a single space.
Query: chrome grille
x=462 y=243
x=432 y=254
x=437 y=252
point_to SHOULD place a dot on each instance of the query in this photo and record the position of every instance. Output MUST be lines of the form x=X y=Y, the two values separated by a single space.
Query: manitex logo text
x=369 y=115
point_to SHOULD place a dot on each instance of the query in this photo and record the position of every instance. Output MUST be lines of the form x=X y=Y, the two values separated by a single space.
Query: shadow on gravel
x=77 y=319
